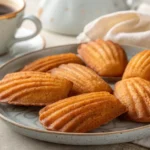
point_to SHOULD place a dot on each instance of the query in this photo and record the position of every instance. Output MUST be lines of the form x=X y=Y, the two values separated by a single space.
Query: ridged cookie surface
x=134 y=93
x=83 y=78
x=81 y=113
x=139 y=66
x=104 y=57
x=33 y=88
x=47 y=63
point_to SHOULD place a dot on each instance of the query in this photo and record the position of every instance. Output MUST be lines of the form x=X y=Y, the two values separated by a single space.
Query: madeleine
x=81 y=113
x=139 y=66
x=134 y=93
x=47 y=63
x=33 y=88
x=104 y=57
x=83 y=78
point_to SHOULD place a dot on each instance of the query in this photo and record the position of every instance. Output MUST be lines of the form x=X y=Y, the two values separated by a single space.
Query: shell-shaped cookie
x=33 y=88
x=22 y=75
x=47 y=63
x=83 y=78
x=134 y=93
x=139 y=66
x=81 y=113
x=104 y=57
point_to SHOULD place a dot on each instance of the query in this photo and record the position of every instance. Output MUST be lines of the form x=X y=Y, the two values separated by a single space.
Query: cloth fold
x=126 y=28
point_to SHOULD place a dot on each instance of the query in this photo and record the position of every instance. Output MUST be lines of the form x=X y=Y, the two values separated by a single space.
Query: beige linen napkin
x=127 y=28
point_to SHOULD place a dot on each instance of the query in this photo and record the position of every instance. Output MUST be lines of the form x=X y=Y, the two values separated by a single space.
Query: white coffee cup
x=10 y=22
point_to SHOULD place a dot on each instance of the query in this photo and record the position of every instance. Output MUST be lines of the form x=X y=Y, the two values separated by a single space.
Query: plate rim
x=57 y=132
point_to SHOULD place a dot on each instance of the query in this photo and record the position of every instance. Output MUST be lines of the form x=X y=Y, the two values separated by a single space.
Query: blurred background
x=64 y=19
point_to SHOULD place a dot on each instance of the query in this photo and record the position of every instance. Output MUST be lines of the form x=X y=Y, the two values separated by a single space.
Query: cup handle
x=38 y=26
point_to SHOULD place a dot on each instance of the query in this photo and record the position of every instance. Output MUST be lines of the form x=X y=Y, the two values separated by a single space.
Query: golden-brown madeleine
x=134 y=93
x=47 y=63
x=81 y=113
x=83 y=78
x=33 y=88
x=24 y=74
x=104 y=57
x=139 y=66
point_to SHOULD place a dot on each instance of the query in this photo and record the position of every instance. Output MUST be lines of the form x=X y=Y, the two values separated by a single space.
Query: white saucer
x=24 y=47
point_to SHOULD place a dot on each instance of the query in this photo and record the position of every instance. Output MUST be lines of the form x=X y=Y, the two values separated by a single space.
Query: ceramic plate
x=24 y=120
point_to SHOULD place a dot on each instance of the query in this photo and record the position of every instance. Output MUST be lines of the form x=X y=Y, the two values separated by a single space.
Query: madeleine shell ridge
x=134 y=93
x=138 y=66
x=81 y=113
x=47 y=63
x=83 y=78
x=104 y=57
x=33 y=88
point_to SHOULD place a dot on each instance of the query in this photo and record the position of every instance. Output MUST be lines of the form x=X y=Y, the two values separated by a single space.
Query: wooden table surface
x=10 y=140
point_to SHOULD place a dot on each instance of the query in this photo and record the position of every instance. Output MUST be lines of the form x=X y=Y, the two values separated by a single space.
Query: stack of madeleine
x=72 y=89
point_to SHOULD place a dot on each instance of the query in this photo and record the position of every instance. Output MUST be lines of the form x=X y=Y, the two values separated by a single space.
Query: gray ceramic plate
x=24 y=120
